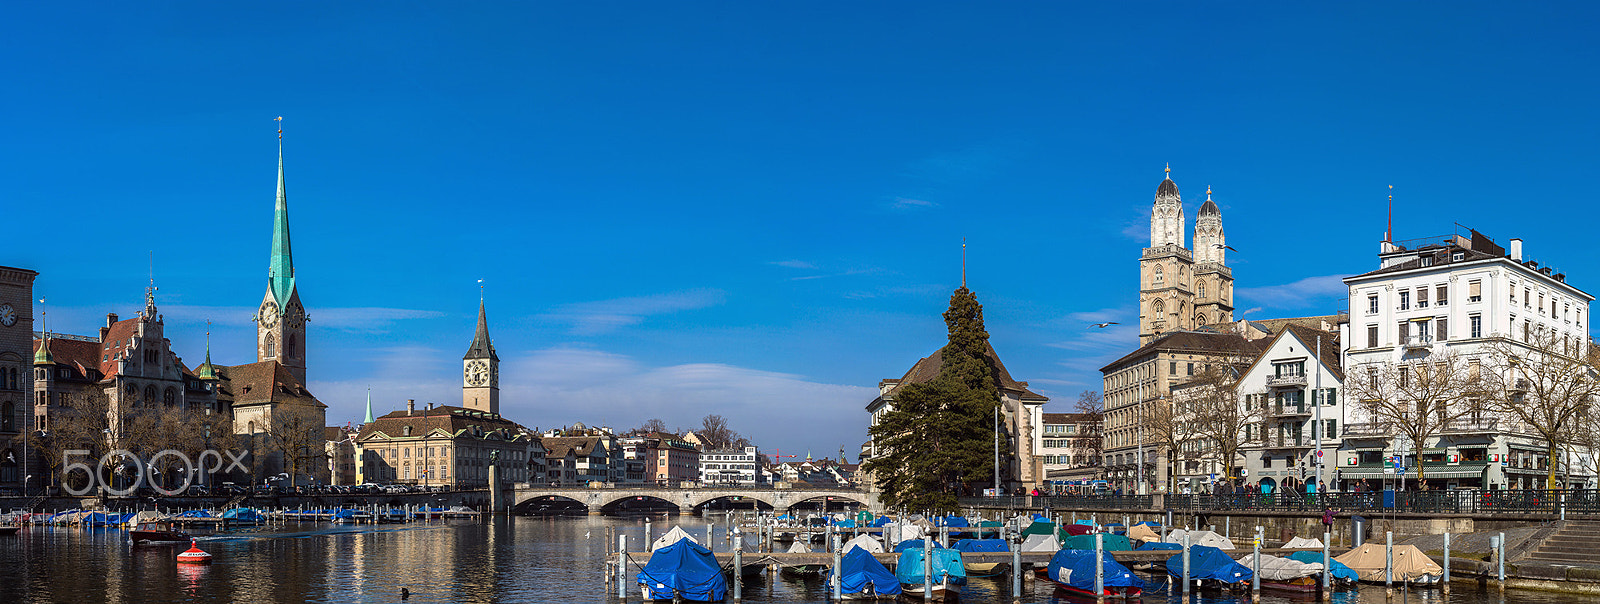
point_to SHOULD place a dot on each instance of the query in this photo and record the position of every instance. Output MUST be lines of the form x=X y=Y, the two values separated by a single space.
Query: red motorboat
x=158 y=532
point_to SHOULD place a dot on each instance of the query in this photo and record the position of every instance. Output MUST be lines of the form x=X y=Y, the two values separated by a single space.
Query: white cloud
x=794 y=264
x=907 y=203
x=604 y=316
x=559 y=386
x=1299 y=294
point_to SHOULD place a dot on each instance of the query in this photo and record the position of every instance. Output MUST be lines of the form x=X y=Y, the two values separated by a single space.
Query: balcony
x=1368 y=429
x=1418 y=341
x=1292 y=410
x=1471 y=426
x=1286 y=381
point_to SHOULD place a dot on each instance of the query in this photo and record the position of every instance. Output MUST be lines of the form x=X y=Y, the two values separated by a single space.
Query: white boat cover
x=1409 y=562
x=673 y=536
x=799 y=547
x=1274 y=568
x=911 y=531
x=865 y=542
x=1041 y=543
x=146 y=516
x=1206 y=538
x=1303 y=543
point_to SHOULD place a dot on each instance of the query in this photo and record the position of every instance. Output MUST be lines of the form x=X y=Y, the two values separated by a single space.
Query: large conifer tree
x=940 y=436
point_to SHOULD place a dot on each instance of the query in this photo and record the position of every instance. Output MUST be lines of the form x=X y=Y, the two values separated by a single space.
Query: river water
x=520 y=559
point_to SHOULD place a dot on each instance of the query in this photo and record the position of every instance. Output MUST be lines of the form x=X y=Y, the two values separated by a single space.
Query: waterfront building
x=731 y=467
x=1069 y=447
x=1457 y=295
x=340 y=449
x=17 y=393
x=445 y=446
x=581 y=460
x=666 y=459
x=1021 y=410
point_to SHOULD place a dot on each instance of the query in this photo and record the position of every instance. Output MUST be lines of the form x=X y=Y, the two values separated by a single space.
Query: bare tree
x=293 y=433
x=1091 y=408
x=1165 y=435
x=1212 y=413
x=77 y=421
x=1417 y=399
x=714 y=431
x=1545 y=384
x=653 y=424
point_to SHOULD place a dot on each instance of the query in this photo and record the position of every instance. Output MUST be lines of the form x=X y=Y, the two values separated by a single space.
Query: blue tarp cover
x=956 y=521
x=1150 y=546
x=913 y=544
x=882 y=520
x=1075 y=567
x=1335 y=567
x=945 y=562
x=1209 y=563
x=980 y=545
x=859 y=569
x=845 y=523
x=1039 y=517
x=684 y=568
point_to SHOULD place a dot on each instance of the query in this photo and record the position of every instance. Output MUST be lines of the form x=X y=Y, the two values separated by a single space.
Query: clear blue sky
x=756 y=209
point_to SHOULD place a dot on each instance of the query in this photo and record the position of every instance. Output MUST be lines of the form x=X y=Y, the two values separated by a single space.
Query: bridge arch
x=641 y=502
x=698 y=503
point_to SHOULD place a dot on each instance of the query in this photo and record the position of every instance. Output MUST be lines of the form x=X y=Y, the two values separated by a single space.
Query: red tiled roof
x=265 y=382
x=117 y=339
x=452 y=420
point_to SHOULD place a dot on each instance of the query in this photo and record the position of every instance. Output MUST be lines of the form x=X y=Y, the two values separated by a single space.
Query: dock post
x=1099 y=567
x=927 y=568
x=1186 y=581
x=647 y=536
x=1445 y=581
x=1227 y=527
x=738 y=574
x=622 y=567
x=838 y=583
x=1500 y=561
x=1388 y=561
x=1327 y=570
x=1016 y=572
x=710 y=545
x=1255 y=573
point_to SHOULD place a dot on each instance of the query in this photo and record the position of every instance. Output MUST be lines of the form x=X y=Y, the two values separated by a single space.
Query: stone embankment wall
x=475 y=499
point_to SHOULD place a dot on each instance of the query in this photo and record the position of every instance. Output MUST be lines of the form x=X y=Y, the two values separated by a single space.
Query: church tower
x=480 y=370
x=1213 y=280
x=1166 y=297
x=281 y=321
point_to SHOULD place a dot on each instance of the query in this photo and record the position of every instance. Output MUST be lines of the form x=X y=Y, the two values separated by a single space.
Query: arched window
x=1201 y=288
x=1158 y=274
x=7 y=412
x=271 y=346
x=1159 y=308
x=289 y=346
x=1200 y=319
x=133 y=394
x=169 y=398
x=150 y=395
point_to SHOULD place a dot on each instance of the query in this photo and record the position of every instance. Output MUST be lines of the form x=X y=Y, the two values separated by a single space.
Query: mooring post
x=710 y=545
x=1327 y=572
x=1227 y=527
x=1255 y=574
x=1445 y=581
x=648 y=538
x=738 y=574
x=927 y=568
x=1099 y=567
x=1186 y=567
x=1500 y=561
x=838 y=583
x=1016 y=571
x=1388 y=560
x=622 y=567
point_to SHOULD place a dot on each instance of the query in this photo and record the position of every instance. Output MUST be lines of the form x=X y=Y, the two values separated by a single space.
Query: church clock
x=477 y=373
x=269 y=314
x=8 y=315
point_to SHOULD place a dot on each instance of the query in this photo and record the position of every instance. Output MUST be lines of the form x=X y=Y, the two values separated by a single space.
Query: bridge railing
x=1097 y=502
x=1526 y=501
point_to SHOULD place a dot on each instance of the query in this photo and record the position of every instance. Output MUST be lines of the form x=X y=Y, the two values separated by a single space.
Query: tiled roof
x=1191 y=341
x=82 y=356
x=579 y=446
x=117 y=340
x=1442 y=256
x=1330 y=346
x=264 y=382
x=1067 y=418
x=452 y=420
x=928 y=368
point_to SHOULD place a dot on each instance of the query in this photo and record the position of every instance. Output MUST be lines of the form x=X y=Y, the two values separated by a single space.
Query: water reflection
x=515 y=560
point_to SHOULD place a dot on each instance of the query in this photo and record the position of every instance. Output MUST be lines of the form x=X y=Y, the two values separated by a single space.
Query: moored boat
x=1211 y=569
x=863 y=577
x=1073 y=570
x=1340 y=574
x=1284 y=574
x=242 y=516
x=948 y=574
x=1410 y=566
x=983 y=569
x=157 y=532
x=683 y=570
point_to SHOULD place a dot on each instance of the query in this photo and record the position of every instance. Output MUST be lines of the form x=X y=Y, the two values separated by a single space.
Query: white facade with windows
x=1456 y=295
x=1292 y=397
x=730 y=467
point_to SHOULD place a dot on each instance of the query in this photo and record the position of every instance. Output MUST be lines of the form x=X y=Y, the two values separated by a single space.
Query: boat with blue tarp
x=243 y=516
x=1074 y=569
x=1211 y=569
x=683 y=570
x=948 y=574
x=1342 y=575
x=983 y=569
x=863 y=577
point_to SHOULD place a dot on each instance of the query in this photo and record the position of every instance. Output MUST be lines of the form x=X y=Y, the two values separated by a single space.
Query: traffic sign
x=1400 y=470
x=1319 y=453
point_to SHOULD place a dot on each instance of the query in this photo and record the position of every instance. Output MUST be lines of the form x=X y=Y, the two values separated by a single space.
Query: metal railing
x=1098 y=502
x=1531 y=502
x=1275 y=381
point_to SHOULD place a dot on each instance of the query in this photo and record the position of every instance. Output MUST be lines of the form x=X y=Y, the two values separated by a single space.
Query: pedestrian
x=1327 y=518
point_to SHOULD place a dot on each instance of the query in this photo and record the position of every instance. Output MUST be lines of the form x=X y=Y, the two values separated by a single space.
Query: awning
x=1412 y=475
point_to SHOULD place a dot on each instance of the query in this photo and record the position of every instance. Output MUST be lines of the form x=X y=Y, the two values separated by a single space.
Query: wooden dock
x=1032 y=559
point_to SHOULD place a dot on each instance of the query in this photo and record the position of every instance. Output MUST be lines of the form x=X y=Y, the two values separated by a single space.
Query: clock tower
x=281 y=319
x=480 y=370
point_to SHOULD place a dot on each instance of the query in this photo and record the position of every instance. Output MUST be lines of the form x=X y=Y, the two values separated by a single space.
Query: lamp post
x=205 y=480
x=996 y=450
x=1316 y=402
x=1140 y=461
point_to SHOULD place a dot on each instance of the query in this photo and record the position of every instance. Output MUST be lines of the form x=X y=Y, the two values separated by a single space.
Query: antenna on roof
x=1388 y=233
x=963 y=262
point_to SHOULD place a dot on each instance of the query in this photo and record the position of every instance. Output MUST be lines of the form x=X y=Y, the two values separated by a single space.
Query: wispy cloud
x=907 y=203
x=858 y=271
x=367 y=318
x=1310 y=291
x=793 y=264
x=605 y=316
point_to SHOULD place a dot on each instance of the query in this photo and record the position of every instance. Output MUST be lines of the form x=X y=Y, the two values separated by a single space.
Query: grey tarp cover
x=865 y=542
x=1274 y=568
x=799 y=547
x=1303 y=543
x=1409 y=562
x=1040 y=543
x=1206 y=538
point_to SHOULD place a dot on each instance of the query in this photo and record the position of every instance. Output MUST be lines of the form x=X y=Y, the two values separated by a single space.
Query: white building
x=1455 y=294
x=730 y=467
x=1064 y=447
x=1288 y=391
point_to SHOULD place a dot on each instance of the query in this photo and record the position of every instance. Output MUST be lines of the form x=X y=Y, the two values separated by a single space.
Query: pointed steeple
x=369 y=406
x=280 y=275
x=207 y=370
x=42 y=356
x=481 y=347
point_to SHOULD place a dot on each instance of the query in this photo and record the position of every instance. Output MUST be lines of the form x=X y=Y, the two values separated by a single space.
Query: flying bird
x=1223 y=247
x=1103 y=325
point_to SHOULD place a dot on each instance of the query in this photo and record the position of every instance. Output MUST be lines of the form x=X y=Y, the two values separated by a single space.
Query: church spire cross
x=963 y=262
x=280 y=274
x=482 y=347
x=1169 y=170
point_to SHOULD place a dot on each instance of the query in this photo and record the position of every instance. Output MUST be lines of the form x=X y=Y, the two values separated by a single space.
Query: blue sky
x=756 y=209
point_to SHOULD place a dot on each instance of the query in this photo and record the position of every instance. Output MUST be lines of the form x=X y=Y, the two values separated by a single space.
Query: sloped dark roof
x=83 y=357
x=1209 y=207
x=1167 y=188
x=264 y=382
x=1067 y=418
x=579 y=446
x=451 y=420
x=1440 y=255
x=1191 y=341
x=1308 y=338
x=928 y=368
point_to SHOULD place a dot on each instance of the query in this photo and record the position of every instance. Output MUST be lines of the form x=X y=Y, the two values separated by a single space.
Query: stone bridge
x=598 y=500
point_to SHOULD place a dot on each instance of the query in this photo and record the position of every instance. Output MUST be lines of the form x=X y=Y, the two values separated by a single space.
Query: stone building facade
x=1181 y=288
x=16 y=384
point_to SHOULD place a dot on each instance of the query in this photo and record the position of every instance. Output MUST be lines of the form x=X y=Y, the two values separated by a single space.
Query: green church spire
x=280 y=275
x=369 y=406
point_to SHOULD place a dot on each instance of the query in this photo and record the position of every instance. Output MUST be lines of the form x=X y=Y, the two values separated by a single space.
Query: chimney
x=411 y=406
x=111 y=319
x=430 y=408
x=1516 y=250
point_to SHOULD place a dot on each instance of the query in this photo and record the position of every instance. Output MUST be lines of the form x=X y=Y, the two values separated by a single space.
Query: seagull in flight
x=1103 y=325
x=1223 y=247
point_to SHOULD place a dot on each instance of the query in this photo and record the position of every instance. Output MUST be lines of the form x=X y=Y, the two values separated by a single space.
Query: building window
x=1441 y=329
x=1475 y=326
x=1422 y=297
x=150 y=395
x=1158 y=274
x=1372 y=336
x=1474 y=291
x=1442 y=296
x=272 y=346
x=1372 y=305
x=1159 y=308
x=1405 y=300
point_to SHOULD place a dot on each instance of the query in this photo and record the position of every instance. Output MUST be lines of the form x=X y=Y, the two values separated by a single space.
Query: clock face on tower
x=8 y=315
x=269 y=313
x=477 y=373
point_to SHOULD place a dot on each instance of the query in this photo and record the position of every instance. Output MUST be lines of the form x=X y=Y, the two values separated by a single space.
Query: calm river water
x=522 y=559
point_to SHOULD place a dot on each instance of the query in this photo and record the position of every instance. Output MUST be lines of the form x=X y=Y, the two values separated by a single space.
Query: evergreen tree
x=939 y=439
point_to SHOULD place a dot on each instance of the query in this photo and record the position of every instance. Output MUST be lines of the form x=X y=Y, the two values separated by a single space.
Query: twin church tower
x=1179 y=288
x=281 y=321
